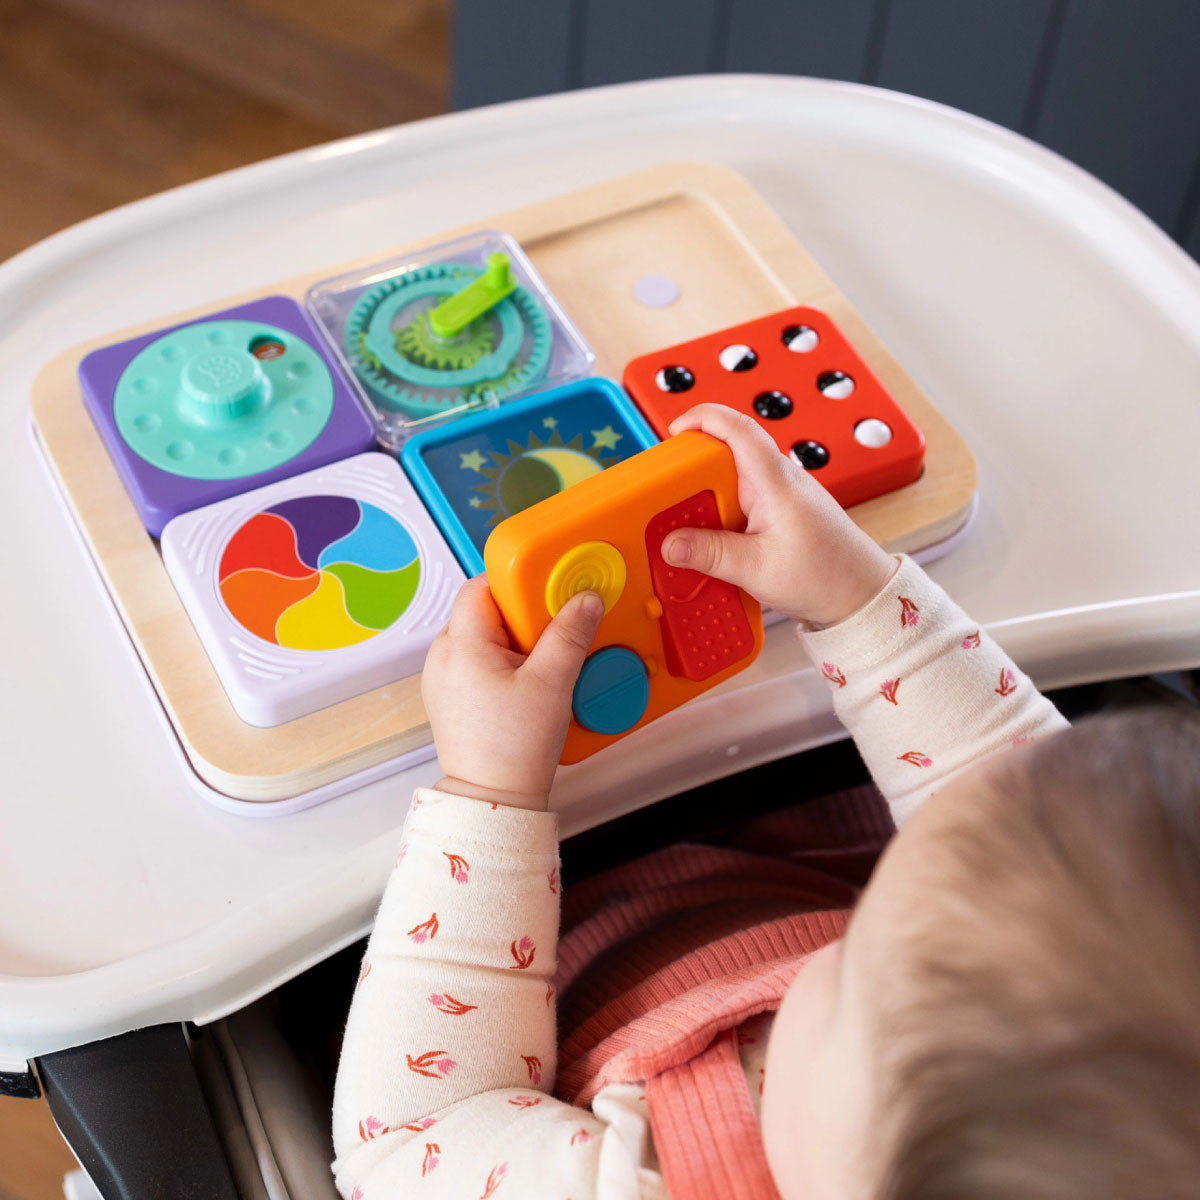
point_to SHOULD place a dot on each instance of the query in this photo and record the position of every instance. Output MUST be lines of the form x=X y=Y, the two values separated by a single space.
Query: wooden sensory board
x=703 y=226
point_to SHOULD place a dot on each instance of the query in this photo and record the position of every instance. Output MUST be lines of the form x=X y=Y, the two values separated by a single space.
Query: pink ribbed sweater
x=663 y=961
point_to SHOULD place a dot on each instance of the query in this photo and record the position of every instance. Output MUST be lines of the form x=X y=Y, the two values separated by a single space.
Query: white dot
x=873 y=433
x=800 y=339
x=836 y=385
x=737 y=357
x=656 y=291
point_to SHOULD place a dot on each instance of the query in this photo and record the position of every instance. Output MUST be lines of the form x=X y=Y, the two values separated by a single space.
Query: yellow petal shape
x=319 y=621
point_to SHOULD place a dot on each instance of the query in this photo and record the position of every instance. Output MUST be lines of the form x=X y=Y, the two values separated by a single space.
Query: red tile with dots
x=796 y=374
x=704 y=626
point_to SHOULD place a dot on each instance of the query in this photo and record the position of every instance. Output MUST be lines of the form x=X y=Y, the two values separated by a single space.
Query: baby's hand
x=800 y=555
x=499 y=718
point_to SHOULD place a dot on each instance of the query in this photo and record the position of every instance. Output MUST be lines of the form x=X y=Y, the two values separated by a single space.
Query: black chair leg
x=132 y=1110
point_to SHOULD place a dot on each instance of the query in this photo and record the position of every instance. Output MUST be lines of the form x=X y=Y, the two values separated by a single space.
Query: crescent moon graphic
x=569 y=465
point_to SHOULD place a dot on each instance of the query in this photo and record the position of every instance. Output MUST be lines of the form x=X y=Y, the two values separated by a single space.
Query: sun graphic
x=527 y=474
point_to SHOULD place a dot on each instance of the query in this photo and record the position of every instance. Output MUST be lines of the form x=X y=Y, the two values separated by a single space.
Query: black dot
x=675 y=379
x=810 y=455
x=772 y=406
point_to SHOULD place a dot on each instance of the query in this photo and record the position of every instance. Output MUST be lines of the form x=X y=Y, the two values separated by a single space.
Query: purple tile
x=159 y=495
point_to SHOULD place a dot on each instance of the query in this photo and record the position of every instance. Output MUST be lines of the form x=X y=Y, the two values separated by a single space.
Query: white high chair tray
x=1056 y=328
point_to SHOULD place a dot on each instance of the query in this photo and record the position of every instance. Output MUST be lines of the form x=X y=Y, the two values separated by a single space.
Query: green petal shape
x=376 y=598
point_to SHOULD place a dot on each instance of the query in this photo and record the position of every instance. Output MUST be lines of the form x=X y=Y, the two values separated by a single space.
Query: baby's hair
x=1045 y=1042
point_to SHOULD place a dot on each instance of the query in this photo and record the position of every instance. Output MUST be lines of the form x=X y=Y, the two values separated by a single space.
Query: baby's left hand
x=499 y=718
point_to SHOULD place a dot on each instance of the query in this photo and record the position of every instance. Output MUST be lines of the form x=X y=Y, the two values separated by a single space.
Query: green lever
x=453 y=315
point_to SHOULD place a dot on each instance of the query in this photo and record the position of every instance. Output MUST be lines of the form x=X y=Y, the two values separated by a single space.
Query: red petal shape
x=267 y=542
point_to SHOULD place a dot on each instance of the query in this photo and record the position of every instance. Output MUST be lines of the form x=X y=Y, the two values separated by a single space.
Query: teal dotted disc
x=223 y=399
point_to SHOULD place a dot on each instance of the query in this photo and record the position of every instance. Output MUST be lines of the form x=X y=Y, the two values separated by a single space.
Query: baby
x=1012 y=1011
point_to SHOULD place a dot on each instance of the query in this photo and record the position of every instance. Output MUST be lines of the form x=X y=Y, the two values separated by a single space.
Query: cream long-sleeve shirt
x=448 y=1062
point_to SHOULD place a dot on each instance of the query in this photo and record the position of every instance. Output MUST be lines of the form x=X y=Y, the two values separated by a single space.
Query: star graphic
x=549 y=423
x=475 y=502
x=472 y=461
x=606 y=438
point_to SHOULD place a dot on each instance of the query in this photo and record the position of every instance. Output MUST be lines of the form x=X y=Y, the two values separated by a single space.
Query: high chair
x=993 y=269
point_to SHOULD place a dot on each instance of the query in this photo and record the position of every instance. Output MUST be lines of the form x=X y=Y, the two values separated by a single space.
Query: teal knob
x=222 y=384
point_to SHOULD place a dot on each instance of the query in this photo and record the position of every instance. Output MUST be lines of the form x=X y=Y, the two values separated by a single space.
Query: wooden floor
x=33 y=1158
x=103 y=101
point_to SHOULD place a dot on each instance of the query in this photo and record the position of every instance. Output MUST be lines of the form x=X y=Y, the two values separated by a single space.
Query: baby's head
x=1015 y=1009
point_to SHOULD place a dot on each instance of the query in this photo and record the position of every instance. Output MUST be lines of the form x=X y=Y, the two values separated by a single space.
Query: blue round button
x=612 y=691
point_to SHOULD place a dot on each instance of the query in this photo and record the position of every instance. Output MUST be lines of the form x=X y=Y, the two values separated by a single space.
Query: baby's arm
x=449 y=1050
x=924 y=691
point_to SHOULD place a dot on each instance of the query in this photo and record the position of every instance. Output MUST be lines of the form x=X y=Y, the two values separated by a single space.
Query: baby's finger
x=475 y=617
x=733 y=557
x=559 y=653
x=756 y=455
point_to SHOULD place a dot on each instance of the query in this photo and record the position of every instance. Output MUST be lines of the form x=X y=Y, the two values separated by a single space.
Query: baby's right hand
x=800 y=555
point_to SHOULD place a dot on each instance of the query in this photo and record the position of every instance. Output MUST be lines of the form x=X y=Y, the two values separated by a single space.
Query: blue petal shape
x=379 y=543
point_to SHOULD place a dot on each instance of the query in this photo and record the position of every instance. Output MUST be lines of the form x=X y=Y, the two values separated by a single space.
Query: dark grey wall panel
x=1187 y=230
x=1192 y=244
x=1123 y=99
x=1113 y=85
x=511 y=52
x=977 y=55
x=644 y=39
x=826 y=38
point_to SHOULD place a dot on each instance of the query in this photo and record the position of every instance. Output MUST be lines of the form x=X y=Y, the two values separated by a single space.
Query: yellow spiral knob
x=588 y=567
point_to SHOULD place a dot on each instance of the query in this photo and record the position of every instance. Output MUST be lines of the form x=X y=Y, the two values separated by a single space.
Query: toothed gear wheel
x=406 y=369
x=418 y=342
x=502 y=385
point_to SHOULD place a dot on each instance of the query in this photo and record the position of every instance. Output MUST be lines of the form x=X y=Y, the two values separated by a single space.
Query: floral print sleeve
x=923 y=689
x=449 y=1052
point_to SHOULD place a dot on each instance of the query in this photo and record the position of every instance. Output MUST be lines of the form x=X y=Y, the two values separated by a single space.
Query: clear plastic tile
x=379 y=322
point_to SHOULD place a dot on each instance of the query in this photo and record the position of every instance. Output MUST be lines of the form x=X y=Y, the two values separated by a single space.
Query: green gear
x=417 y=342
